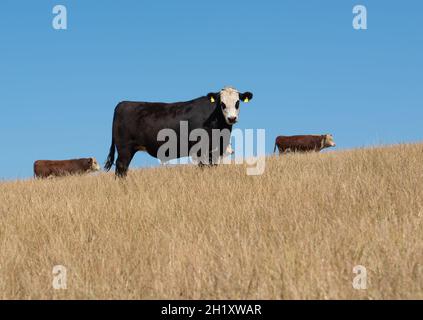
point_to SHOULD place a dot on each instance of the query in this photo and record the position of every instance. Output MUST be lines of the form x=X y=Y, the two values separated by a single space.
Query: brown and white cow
x=47 y=168
x=303 y=143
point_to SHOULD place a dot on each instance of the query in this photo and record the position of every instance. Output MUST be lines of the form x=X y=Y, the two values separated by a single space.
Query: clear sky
x=309 y=70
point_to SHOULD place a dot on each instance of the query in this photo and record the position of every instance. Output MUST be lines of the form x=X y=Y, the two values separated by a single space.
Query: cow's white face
x=94 y=164
x=328 y=141
x=229 y=100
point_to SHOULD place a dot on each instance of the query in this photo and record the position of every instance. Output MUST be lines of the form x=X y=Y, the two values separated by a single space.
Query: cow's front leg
x=214 y=159
x=203 y=163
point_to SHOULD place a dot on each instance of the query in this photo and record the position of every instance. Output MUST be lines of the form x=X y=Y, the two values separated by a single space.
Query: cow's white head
x=328 y=141
x=228 y=100
x=94 y=166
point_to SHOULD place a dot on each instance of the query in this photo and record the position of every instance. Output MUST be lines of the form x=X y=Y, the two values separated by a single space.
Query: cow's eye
x=223 y=106
x=237 y=105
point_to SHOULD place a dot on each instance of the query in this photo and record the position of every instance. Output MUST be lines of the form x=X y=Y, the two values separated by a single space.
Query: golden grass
x=295 y=232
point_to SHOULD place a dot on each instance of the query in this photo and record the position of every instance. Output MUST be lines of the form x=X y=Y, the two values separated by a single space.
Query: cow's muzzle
x=232 y=120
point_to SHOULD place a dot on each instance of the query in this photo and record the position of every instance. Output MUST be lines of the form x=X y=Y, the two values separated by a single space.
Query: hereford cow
x=47 y=168
x=138 y=125
x=303 y=143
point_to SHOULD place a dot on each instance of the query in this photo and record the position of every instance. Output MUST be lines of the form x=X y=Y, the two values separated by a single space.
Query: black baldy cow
x=303 y=143
x=136 y=125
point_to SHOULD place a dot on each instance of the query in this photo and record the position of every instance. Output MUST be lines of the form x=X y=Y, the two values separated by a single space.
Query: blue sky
x=309 y=70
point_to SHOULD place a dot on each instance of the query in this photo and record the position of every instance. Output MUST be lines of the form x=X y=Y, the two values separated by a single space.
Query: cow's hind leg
x=122 y=162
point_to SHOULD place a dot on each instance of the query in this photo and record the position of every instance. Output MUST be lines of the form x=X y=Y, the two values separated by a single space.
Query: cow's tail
x=274 y=149
x=111 y=157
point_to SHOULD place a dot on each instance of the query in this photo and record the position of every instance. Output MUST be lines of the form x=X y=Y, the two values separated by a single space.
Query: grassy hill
x=181 y=232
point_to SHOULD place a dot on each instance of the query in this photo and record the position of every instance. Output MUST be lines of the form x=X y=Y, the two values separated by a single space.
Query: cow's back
x=163 y=115
x=299 y=142
x=46 y=168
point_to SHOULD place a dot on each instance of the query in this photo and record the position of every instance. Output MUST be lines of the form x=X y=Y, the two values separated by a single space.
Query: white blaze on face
x=329 y=142
x=95 y=166
x=229 y=102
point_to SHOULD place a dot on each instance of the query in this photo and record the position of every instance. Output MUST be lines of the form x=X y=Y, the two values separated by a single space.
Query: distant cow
x=303 y=143
x=47 y=168
x=136 y=126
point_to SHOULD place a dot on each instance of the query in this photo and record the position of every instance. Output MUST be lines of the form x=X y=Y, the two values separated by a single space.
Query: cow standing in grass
x=56 y=168
x=303 y=143
x=136 y=126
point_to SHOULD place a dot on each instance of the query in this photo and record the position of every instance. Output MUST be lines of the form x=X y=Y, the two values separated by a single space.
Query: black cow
x=136 y=126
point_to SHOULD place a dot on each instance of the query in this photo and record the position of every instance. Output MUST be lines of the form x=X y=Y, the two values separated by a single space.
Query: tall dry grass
x=181 y=232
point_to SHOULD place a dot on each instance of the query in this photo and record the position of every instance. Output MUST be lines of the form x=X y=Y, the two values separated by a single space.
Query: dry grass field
x=296 y=232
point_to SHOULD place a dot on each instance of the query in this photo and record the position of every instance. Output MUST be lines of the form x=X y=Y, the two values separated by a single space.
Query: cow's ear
x=246 y=96
x=212 y=97
x=90 y=161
